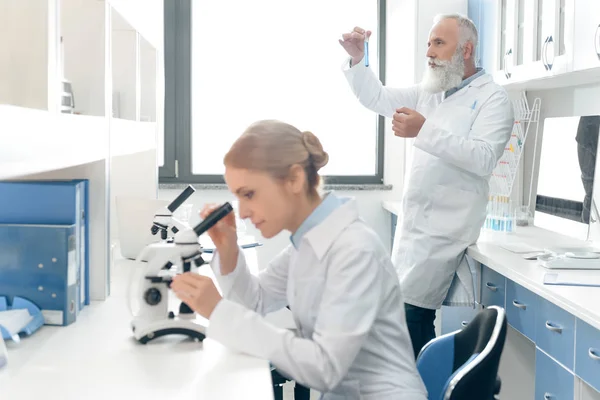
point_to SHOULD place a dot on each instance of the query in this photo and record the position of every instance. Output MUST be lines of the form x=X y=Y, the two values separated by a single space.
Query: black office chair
x=463 y=365
x=300 y=392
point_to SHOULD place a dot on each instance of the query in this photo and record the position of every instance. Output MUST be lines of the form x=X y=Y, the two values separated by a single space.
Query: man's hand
x=407 y=123
x=354 y=43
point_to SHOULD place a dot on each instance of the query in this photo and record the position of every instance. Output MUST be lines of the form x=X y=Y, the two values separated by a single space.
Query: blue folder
x=39 y=263
x=52 y=202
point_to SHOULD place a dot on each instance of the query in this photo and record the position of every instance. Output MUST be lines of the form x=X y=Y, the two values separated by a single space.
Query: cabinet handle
x=506 y=72
x=464 y=323
x=491 y=286
x=519 y=305
x=550 y=40
x=593 y=354
x=553 y=328
x=597 y=41
x=548 y=396
x=544 y=55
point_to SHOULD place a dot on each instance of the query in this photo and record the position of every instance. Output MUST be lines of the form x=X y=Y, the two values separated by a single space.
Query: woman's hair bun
x=318 y=156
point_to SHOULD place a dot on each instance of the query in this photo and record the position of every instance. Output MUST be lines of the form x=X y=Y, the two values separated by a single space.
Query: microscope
x=164 y=222
x=183 y=254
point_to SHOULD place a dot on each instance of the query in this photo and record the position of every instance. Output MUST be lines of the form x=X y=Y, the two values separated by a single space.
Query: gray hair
x=466 y=29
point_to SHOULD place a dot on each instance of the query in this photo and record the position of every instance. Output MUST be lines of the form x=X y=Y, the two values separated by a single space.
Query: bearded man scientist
x=461 y=121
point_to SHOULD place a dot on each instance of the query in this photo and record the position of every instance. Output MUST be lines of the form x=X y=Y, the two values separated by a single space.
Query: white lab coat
x=351 y=341
x=445 y=198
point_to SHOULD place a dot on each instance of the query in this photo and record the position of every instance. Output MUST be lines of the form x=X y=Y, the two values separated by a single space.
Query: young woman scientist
x=352 y=341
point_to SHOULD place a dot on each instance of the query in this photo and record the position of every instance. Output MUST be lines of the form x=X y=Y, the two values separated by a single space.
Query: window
x=231 y=63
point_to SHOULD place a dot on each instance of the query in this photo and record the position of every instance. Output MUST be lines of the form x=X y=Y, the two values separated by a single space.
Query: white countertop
x=98 y=358
x=582 y=302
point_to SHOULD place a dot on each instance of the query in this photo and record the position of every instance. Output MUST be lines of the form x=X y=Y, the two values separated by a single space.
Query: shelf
x=37 y=141
x=568 y=79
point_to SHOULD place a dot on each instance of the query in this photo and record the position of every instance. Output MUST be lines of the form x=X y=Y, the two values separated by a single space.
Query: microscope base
x=147 y=330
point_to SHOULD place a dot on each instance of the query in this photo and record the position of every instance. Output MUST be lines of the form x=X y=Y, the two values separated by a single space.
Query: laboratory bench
x=552 y=350
x=97 y=358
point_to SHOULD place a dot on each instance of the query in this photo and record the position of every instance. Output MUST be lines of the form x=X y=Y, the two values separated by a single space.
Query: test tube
x=366 y=50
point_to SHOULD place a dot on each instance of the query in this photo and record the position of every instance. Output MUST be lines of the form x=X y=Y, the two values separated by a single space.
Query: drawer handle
x=492 y=287
x=519 y=305
x=593 y=354
x=553 y=328
x=464 y=323
x=548 y=396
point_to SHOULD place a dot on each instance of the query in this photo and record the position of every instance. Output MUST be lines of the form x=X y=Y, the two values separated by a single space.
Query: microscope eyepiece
x=213 y=218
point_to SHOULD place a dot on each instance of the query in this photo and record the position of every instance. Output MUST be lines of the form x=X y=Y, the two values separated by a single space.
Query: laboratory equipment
x=502 y=214
x=565 y=182
x=183 y=254
x=366 y=41
x=164 y=221
x=569 y=261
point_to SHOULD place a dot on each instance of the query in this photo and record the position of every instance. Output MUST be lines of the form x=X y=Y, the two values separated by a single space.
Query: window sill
x=222 y=186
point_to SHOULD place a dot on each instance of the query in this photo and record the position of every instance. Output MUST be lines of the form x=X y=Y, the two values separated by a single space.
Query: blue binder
x=39 y=263
x=52 y=202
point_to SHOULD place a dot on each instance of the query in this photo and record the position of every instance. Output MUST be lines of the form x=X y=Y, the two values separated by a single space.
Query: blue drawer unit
x=521 y=309
x=587 y=354
x=456 y=318
x=555 y=332
x=552 y=381
x=493 y=288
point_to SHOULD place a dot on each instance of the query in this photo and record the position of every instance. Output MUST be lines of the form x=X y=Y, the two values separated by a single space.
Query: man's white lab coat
x=445 y=198
x=352 y=341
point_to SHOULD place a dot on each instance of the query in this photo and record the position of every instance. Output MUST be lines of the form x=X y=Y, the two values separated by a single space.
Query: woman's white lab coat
x=446 y=195
x=352 y=341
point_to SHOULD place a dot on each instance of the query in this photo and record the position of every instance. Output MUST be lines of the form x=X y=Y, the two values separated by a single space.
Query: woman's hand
x=197 y=291
x=224 y=236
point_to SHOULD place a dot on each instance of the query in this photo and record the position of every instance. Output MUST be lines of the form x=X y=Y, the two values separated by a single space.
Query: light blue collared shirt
x=465 y=82
x=329 y=203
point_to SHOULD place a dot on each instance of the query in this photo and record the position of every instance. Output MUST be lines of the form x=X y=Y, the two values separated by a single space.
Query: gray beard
x=447 y=74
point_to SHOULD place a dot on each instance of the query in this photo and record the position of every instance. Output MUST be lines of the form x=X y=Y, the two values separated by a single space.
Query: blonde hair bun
x=319 y=157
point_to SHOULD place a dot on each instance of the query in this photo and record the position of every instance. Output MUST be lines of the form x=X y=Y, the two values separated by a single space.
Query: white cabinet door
x=586 y=41
x=556 y=35
x=508 y=40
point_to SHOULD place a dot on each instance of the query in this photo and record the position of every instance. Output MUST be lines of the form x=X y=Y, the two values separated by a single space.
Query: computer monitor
x=565 y=198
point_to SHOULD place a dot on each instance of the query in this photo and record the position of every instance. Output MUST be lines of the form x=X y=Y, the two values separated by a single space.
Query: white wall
x=124 y=53
x=82 y=29
x=24 y=53
x=148 y=64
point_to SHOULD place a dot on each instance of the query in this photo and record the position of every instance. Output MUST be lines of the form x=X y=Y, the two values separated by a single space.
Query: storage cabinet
x=552 y=381
x=586 y=42
x=524 y=40
x=456 y=318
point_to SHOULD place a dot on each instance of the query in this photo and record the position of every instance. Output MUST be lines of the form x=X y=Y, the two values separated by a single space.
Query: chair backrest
x=464 y=364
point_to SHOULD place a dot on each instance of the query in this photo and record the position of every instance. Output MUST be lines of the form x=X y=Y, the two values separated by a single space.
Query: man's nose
x=430 y=53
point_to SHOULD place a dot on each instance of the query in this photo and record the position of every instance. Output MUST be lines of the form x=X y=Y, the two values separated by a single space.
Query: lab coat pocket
x=455 y=213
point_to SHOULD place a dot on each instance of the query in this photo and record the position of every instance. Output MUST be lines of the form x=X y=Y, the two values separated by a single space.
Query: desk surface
x=582 y=302
x=97 y=358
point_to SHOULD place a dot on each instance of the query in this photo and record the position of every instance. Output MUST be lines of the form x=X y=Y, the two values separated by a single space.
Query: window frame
x=177 y=166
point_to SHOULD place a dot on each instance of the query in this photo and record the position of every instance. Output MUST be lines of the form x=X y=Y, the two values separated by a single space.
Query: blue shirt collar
x=329 y=203
x=465 y=82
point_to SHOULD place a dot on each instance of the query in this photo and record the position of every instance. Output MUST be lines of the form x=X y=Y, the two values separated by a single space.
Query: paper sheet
x=573 y=278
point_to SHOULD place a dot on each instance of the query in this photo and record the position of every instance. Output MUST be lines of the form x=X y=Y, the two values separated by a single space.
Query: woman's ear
x=297 y=179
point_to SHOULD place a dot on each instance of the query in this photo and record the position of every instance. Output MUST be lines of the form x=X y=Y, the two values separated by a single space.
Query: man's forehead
x=445 y=29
